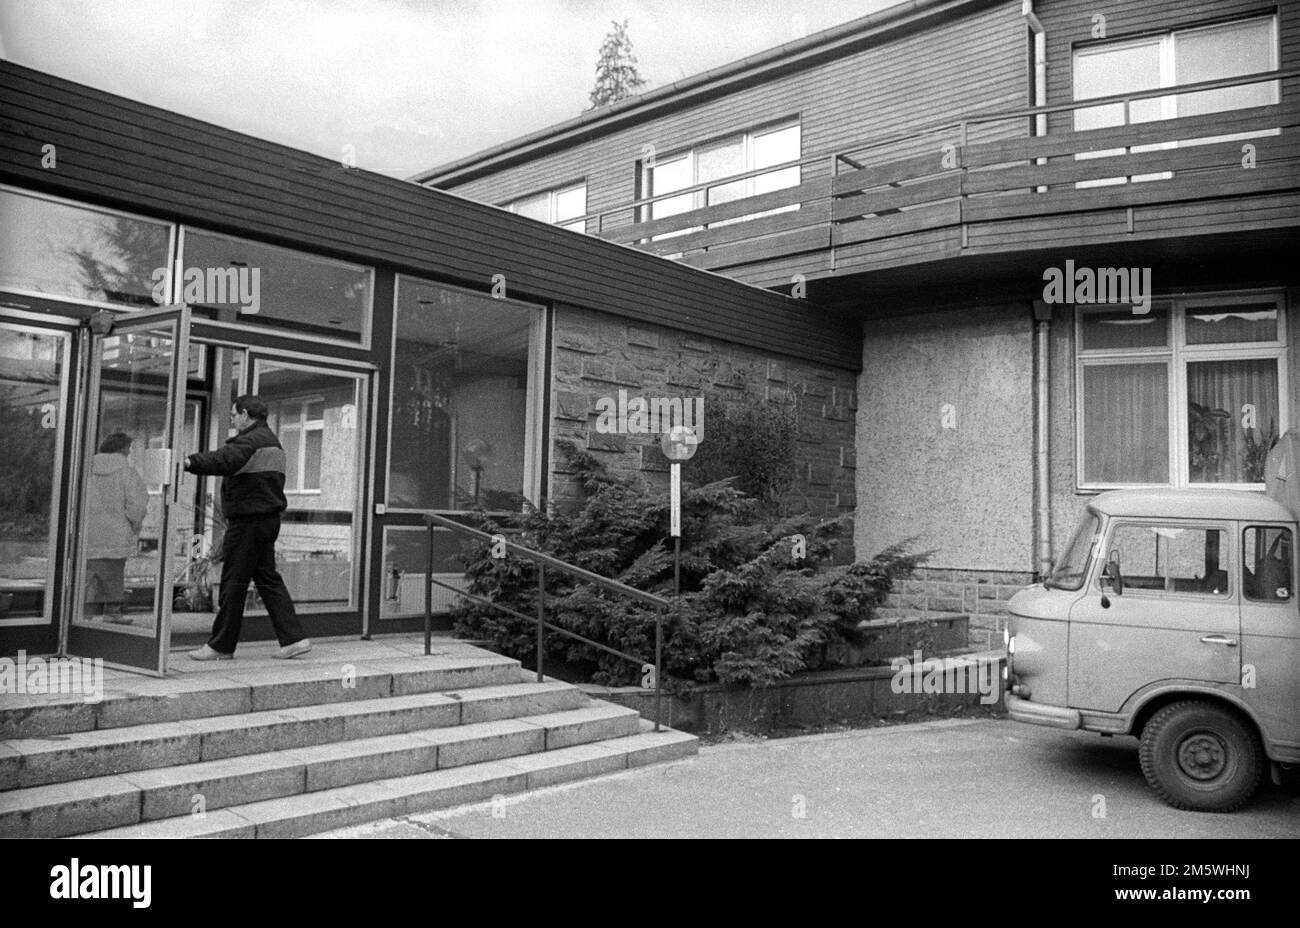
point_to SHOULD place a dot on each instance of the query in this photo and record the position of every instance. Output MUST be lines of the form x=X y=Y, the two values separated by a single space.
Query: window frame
x=1227 y=559
x=173 y=244
x=699 y=198
x=536 y=427
x=301 y=426
x=1167 y=40
x=553 y=195
x=1246 y=598
x=1177 y=354
x=363 y=337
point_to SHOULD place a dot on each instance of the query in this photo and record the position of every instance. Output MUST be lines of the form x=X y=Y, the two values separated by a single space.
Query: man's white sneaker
x=205 y=653
x=302 y=646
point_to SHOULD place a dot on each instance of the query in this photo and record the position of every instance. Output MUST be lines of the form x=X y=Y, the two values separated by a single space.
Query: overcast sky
x=410 y=84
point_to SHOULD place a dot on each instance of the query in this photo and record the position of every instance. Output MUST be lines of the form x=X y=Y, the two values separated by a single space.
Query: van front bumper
x=1033 y=713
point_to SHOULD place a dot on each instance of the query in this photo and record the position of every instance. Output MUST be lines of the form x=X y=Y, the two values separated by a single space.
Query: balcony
x=991 y=187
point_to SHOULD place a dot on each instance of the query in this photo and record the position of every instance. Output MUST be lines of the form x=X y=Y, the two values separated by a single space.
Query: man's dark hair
x=252 y=405
x=116 y=443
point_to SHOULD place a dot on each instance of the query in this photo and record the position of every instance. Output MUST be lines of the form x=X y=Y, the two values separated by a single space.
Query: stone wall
x=596 y=355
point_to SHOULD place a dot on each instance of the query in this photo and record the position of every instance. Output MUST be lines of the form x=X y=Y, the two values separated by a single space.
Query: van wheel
x=1201 y=757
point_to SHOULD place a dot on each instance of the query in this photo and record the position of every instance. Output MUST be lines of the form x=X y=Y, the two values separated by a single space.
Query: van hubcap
x=1202 y=756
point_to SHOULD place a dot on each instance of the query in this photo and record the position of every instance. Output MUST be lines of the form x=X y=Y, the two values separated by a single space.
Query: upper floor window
x=1191 y=392
x=716 y=161
x=1181 y=56
x=561 y=207
x=53 y=247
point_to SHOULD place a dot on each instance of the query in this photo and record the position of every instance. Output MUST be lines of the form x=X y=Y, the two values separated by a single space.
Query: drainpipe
x=1042 y=333
x=1042 y=483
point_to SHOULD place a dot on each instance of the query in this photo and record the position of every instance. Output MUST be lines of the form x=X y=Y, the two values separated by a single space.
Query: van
x=1171 y=616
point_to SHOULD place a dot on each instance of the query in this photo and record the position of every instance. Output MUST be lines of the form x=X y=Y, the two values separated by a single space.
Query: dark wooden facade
x=119 y=153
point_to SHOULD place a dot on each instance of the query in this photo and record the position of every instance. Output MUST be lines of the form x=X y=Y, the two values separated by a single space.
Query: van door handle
x=1220 y=639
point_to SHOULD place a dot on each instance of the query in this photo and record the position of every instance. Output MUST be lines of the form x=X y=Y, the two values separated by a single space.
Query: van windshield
x=1070 y=570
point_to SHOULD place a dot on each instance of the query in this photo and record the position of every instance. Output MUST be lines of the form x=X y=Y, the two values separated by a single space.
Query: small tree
x=616 y=73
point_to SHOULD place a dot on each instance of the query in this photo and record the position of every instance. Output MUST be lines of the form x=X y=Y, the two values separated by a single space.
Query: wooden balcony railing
x=981 y=169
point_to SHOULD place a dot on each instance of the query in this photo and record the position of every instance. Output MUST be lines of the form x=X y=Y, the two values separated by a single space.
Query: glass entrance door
x=129 y=547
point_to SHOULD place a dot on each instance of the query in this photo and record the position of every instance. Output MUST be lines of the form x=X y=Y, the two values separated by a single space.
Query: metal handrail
x=433 y=520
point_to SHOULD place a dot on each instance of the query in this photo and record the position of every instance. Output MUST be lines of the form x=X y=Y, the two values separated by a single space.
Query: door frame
x=117 y=647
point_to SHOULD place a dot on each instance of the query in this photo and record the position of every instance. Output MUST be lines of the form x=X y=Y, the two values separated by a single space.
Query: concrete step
x=314 y=812
x=126 y=799
x=235 y=691
x=32 y=762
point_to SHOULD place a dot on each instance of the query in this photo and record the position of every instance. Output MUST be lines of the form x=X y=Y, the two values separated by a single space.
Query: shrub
x=756 y=605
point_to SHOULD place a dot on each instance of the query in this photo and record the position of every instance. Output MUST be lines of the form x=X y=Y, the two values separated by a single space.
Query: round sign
x=679 y=443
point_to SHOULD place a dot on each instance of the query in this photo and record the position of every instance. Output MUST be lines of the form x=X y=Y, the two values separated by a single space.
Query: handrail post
x=428 y=596
x=541 y=615
x=659 y=676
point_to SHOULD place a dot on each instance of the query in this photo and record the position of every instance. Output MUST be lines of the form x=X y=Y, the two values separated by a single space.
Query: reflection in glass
x=32 y=368
x=58 y=249
x=1232 y=419
x=294 y=289
x=406 y=553
x=316 y=416
x=460 y=400
x=122 y=515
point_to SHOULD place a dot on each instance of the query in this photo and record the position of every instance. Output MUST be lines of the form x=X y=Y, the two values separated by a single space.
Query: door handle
x=1220 y=639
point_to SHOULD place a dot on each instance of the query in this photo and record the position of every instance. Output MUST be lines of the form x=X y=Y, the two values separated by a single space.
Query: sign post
x=678 y=444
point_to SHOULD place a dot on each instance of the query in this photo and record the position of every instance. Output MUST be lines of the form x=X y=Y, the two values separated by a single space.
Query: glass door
x=130 y=545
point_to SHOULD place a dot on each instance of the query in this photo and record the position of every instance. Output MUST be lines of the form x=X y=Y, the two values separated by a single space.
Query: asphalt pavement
x=950 y=778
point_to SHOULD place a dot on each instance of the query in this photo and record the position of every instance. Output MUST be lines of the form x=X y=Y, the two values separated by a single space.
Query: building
x=419 y=351
x=1066 y=232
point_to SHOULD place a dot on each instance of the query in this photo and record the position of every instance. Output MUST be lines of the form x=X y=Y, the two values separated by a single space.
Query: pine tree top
x=616 y=69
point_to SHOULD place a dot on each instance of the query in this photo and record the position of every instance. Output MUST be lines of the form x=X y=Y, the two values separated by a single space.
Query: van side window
x=1268 y=556
x=1172 y=558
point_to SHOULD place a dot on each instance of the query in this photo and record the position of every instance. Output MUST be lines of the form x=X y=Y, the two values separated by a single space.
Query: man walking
x=252 y=498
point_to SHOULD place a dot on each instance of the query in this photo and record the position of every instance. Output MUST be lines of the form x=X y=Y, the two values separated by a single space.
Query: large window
x=33 y=416
x=52 y=247
x=560 y=207
x=716 y=161
x=466 y=412
x=275 y=286
x=1191 y=392
x=1183 y=56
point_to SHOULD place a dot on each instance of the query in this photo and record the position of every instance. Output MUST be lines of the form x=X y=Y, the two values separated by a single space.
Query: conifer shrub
x=759 y=597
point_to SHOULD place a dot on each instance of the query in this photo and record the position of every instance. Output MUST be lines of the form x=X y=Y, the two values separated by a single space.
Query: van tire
x=1201 y=757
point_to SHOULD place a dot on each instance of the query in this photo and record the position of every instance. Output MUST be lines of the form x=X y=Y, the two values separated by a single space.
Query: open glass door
x=129 y=548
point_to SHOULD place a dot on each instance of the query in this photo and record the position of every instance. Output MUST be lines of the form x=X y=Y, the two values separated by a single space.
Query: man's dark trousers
x=248 y=553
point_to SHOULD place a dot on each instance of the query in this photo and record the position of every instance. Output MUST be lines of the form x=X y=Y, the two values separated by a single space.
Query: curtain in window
x=1232 y=418
x=1126 y=423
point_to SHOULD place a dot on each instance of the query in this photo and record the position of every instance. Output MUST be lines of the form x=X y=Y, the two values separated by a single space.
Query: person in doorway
x=252 y=498
x=115 y=508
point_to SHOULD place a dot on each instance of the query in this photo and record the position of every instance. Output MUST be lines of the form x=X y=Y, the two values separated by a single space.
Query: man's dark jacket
x=253 y=464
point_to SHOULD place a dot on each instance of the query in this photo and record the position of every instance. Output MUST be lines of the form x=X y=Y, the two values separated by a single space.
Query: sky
x=406 y=85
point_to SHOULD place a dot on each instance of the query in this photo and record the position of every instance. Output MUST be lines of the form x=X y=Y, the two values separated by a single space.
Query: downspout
x=1042 y=482
x=1042 y=337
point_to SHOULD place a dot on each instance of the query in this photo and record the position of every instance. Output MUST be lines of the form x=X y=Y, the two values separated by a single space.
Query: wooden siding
x=119 y=153
x=975 y=62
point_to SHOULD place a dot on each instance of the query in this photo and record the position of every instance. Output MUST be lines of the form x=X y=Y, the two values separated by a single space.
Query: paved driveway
x=953 y=778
